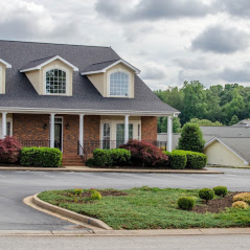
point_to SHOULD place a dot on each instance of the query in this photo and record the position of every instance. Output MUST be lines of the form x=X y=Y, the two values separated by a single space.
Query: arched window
x=119 y=82
x=56 y=81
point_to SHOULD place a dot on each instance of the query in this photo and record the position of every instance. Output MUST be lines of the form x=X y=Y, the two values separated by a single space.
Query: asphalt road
x=211 y=242
x=16 y=185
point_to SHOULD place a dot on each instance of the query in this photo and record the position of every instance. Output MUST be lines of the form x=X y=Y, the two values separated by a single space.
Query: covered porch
x=79 y=134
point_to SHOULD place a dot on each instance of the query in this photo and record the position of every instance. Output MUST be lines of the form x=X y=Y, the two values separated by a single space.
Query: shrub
x=95 y=195
x=144 y=153
x=10 y=150
x=242 y=197
x=220 y=191
x=90 y=162
x=41 y=157
x=191 y=138
x=78 y=191
x=186 y=203
x=101 y=157
x=110 y=157
x=240 y=204
x=177 y=159
x=206 y=194
x=195 y=160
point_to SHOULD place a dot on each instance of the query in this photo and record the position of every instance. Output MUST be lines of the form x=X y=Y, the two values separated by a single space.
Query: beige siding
x=218 y=154
x=2 y=78
x=98 y=81
x=36 y=77
x=101 y=80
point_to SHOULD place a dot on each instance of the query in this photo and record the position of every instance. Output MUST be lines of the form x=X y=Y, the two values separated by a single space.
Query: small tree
x=191 y=138
x=234 y=120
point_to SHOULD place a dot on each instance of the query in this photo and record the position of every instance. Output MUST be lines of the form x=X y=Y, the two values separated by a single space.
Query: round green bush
x=186 y=203
x=206 y=194
x=95 y=195
x=90 y=162
x=178 y=160
x=220 y=191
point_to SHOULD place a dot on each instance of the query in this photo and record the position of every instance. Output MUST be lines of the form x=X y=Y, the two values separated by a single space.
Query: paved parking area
x=16 y=185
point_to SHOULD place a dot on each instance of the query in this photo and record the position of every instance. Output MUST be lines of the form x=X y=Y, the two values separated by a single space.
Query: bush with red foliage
x=145 y=154
x=10 y=150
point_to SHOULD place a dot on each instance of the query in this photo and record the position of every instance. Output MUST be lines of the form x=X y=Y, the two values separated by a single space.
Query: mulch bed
x=216 y=205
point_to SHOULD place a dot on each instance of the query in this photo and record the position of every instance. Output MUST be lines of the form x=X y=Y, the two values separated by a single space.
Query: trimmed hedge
x=180 y=159
x=177 y=159
x=195 y=160
x=41 y=157
x=109 y=157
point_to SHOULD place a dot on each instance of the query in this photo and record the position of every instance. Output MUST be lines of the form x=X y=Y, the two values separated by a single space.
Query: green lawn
x=147 y=208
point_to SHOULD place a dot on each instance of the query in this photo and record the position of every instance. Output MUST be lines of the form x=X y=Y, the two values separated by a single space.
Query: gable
x=218 y=154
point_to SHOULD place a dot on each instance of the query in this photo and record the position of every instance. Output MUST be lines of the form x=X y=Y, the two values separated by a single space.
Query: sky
x=170 y=41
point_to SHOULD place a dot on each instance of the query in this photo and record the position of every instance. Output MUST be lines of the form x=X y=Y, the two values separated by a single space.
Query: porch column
x=170 y=133
x=4 y=127
x=81 y=133
x=52 y=130
x=126 y=129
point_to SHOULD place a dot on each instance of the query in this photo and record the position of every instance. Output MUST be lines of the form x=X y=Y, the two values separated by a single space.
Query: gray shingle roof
x=37 y=62
x=20 y=92
x=223 y=131
x=98 y=66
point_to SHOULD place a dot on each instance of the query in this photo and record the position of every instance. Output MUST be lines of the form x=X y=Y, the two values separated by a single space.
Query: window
x=8 y=128
x=119 y=83
x=120 y=133
x=106 y=136
x=55 y=81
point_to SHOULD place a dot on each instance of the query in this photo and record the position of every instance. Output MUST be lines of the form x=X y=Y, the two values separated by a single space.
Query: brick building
x=81 y=96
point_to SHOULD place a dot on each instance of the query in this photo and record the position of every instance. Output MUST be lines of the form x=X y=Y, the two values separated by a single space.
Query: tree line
x=216 y=105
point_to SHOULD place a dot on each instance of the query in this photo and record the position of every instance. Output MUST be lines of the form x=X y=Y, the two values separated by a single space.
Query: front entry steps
x=72 y=160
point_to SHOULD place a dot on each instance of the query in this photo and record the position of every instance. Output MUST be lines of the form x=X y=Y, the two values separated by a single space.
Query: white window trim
x=129 y=82
x=10 y=120
x=61 y=122
x=67 y=80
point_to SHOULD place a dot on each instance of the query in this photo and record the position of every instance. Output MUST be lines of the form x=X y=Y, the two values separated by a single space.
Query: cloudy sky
x=170 y=41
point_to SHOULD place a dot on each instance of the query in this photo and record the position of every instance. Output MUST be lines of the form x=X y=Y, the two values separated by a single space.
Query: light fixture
x=45 y=126
x=67 y=125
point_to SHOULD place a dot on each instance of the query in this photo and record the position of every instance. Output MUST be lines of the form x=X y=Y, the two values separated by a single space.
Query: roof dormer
x=112 y=78
x=3 y=66
x=51 y=76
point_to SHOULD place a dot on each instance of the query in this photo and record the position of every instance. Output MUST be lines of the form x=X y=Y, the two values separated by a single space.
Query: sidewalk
x=110 y=170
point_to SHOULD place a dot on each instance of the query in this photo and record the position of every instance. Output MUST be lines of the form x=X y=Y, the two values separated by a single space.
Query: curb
x=130 y=233
x=106 y=170
x=72 y=216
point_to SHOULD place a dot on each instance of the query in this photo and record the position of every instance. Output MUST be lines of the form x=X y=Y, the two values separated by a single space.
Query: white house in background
x=225 y=146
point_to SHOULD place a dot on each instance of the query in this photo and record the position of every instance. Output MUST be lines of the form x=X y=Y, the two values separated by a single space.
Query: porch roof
x=20 y=94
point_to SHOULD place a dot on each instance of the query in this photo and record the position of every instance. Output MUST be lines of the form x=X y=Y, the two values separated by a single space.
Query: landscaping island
x=151 y=208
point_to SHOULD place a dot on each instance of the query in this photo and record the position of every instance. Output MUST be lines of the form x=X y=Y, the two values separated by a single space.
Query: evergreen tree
x=191 y=138
x=234 y=120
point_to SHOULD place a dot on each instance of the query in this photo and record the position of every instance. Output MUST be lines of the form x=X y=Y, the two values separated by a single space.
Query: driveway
x=16 y=185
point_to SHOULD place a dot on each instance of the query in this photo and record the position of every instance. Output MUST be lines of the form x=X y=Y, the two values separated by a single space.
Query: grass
x=148 y=208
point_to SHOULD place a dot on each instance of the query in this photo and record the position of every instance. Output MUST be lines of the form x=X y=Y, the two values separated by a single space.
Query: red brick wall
x=31 y=127
x=149 y=128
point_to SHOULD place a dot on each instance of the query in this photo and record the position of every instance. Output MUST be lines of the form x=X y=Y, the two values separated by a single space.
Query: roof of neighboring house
x=240 y=146
x=226 y=131
x=20 y=92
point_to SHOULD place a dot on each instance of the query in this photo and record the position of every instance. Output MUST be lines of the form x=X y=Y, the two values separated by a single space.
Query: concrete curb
x=108 y=170
x=71 y=216
x=131 y=233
